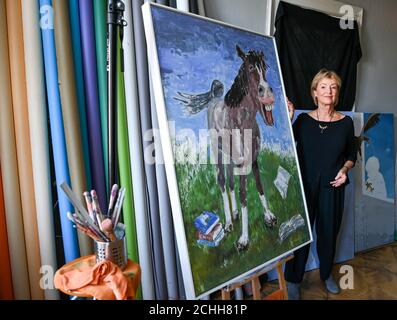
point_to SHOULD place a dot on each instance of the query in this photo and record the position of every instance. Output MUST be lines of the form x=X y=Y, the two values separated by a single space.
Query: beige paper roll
x=39 y=137
x=8 y=159
x=24 y=157
x=71 y=119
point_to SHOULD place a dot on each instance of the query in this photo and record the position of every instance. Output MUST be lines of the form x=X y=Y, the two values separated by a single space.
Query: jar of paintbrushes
x=106 y=231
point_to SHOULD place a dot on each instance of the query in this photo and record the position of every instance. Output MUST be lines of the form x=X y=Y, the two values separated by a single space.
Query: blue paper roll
x=70 y=243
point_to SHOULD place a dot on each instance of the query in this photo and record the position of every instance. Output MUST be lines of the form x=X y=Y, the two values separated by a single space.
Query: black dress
x=322 y=153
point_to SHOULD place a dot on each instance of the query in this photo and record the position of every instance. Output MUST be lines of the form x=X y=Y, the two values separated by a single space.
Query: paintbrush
x=96 y=208
x=89 y=233
x=113 y=196
x=118 y=206
x=77 y=219
x=81 y=210
x=88 y=202
x=80 y=226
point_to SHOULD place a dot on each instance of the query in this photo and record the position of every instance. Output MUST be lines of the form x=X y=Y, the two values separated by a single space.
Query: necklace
x=322 y=128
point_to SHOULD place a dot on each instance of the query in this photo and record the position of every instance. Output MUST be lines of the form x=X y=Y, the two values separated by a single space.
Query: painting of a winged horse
x=230 y=119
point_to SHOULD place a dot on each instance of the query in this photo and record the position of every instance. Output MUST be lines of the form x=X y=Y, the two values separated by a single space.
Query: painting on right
x=375 y=176
x=378 y=156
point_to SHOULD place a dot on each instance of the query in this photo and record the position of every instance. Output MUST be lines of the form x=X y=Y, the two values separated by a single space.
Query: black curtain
x=307 y=41
x=172 y=3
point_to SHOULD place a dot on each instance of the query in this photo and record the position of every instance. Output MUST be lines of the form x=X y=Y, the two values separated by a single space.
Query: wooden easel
x=280 y=294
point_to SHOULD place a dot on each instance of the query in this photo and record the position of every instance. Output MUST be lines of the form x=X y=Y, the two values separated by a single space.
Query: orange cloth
x=103 y=281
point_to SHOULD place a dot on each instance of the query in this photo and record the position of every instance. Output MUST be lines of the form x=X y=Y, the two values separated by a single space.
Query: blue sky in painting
x=193 y=52
x=382 y=146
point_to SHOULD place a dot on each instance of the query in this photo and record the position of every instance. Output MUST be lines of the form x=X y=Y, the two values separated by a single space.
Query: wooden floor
x=375 y=278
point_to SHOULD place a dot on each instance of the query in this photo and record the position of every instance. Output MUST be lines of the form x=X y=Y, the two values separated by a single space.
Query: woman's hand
x=291 y=109
x=340 y=178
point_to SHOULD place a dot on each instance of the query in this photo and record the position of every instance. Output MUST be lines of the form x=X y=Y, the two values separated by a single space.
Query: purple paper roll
x=92 y=100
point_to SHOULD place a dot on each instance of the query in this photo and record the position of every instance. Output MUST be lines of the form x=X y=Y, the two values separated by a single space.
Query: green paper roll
x=124 y=167
x=100 y=41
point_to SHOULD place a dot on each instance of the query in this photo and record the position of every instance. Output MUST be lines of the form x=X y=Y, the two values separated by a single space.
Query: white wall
x=247 y=14
x=376 y=89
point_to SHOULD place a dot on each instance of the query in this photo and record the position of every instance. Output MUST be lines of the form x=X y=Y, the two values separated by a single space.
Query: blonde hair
x=325 y=74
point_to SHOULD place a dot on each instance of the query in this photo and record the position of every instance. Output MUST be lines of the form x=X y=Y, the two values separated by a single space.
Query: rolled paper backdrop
x=37 y=110
x=6 y=292
x=142 y=75
x=125 y=169
x=8 y=160
x=69 y=235
x=69 y=103
x=24 y=155
x=137 y=161
x=100 y=10
x=166 y=223
x=78 y=70
x=92 y=102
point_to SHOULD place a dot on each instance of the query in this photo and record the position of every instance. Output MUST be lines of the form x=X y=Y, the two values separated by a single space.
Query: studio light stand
x=115 y=27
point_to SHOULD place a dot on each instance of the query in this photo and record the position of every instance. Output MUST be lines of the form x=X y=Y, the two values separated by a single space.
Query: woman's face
x=327 y=92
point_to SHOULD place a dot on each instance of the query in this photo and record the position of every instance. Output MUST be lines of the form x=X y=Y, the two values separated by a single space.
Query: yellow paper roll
x=8 y=159
x=24 y=157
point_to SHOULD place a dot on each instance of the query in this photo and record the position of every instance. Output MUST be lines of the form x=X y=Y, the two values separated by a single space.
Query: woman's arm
x=341 y=177
x=347 y=166
x=291 y=109
x=351 y=155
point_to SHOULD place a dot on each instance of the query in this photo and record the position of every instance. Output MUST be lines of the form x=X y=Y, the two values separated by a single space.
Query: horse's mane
x=239 y=88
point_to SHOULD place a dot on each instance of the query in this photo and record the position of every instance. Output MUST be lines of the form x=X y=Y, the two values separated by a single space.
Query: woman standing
x=325 y=146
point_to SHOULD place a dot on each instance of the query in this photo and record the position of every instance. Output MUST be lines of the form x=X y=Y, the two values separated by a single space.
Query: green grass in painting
x=199 y=191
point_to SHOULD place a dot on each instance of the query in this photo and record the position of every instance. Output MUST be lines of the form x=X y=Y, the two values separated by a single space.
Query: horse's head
x=255 y=73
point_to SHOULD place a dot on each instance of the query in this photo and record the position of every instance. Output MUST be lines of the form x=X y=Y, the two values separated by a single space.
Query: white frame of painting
x=168 y=155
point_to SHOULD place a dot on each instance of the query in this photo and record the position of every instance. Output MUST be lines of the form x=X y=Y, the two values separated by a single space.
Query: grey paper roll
x=146 y=125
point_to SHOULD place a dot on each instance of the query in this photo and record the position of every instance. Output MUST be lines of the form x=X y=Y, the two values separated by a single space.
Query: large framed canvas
x=234 y=182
